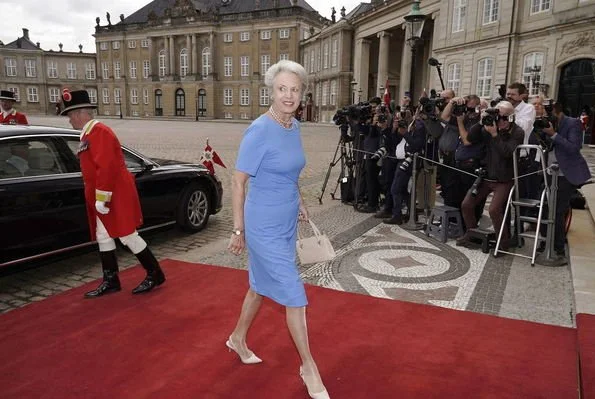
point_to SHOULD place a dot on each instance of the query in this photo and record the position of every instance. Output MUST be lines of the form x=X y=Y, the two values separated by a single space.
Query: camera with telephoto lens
x=379 y=154
x=430 y=105
x=402 y=124
x=490 y=117
x=404 y=166
x=481 y=173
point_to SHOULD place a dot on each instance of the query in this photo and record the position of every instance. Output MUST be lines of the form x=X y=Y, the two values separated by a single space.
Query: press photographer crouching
x=500 y=135
x=564 y=138
x=410 y=140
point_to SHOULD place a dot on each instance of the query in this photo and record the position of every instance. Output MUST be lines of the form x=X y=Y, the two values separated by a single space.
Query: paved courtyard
x=372 y=258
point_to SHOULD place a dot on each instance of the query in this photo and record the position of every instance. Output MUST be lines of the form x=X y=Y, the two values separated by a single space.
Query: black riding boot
x=111 y=282
x=155 y=275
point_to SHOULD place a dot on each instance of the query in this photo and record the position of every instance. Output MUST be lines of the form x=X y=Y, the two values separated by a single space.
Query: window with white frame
x=312 y=61
x=146 y=69
x=146 y=96
x=144 y=43
x=227 y=66
x=325 y=93
x=103 y=46
x=538 y=6
x=318 y=93
x=71 y=70
x=335 y=53
x=15 y=91
x=453 y=77
x=244 y=96
x=92 y=96
x=245 y=65
x=183 y=62
x=30 y=68
x=132 y=68
x=458 y=15
x=264 y=96
x=105 y=92
x=283 y=33
x=32 y=94
x=131 y=43
x=116 y=45
x=105 y=70
x=227 y=37
x=283 y=56
x=162 y=68
x=206 y=62
x=134 y=96
x=227 y=96
x=90 y=71
x=491 y=10
x=333 y=92
x=227 y=115
x=54 y=94
x=265 y=63
x=117 y=96
x=325 y=57
x=485 y=69
x=265 y=35
x=117 y=70
x=244 y=115
x=52 y=69
x=244 y=36
x=10 y=65
x=533 y=72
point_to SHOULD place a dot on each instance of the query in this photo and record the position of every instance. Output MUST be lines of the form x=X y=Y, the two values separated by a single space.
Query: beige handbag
x=317 y=248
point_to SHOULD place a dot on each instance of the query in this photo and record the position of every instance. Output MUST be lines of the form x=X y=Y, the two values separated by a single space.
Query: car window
x=132 y=161
x=29 y=157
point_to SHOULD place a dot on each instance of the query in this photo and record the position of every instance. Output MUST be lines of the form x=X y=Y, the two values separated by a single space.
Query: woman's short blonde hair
x=286 y=66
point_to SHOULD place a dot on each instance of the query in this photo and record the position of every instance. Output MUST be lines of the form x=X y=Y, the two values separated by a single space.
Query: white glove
x=101 y=208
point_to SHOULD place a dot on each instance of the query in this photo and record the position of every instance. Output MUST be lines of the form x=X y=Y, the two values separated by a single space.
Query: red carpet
x=586 y=342
x=171 y=344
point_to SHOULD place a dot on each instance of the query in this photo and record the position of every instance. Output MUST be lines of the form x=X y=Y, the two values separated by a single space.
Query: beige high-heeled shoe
x=252 y=359
x=319 y=395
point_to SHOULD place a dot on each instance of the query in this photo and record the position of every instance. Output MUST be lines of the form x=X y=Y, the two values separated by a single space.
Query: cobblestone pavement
x=372 y=258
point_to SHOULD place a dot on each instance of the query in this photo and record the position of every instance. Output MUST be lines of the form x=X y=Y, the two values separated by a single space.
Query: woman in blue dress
x=271 y=158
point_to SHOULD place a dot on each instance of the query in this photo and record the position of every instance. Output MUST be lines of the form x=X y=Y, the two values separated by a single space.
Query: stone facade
x=184 y=61
x=37 y=76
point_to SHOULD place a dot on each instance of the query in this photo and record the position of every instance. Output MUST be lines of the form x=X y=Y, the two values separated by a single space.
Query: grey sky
x=71 y=22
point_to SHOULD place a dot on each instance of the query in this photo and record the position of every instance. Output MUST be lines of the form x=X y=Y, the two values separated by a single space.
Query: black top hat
x=7 y=95
x=75 y=100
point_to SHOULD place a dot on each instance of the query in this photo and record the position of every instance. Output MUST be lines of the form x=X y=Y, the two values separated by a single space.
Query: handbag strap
x=314 y=229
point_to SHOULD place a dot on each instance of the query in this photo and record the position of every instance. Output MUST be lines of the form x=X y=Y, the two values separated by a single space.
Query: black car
x=42 y=204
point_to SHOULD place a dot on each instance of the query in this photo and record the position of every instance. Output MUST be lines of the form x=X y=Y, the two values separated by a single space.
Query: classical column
x=361 y=68
x=189 y=53
x=212 y=50
x=172 y=59
x=405 y=67
x=382 y=61
x=167 y=51
x=194 y=56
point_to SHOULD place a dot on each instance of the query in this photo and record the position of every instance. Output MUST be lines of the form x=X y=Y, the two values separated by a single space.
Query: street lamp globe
x=414 y=23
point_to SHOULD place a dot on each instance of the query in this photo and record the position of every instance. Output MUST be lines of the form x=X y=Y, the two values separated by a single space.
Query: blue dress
x=273 y=157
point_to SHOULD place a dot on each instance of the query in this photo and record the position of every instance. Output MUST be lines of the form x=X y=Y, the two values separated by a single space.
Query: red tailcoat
x=107 y=179
x=14 y=118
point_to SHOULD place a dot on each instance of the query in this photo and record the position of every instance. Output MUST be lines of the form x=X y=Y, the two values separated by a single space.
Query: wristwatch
x=237 y=232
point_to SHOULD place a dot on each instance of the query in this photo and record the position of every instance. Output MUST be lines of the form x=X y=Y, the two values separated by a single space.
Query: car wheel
x=194 y=208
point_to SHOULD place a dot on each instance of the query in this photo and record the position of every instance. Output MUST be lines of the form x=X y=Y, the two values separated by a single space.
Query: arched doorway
x=158 y=105
x=180 y=102
x=202 y=102
x=577 y=85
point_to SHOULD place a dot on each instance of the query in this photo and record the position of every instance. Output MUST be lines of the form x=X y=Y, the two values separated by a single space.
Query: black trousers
x=565 y=190
x=399 y=188
x=389 y=168
x=372 y=182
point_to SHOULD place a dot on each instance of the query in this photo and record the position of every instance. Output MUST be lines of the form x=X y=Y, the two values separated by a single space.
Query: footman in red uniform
x=9 y=115
x=113 y=207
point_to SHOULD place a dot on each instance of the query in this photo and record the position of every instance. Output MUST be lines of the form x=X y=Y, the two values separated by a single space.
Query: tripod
x=344 y=155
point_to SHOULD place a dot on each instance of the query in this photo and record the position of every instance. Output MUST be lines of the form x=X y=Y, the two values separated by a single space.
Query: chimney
x=26 y=33
x=38 y=44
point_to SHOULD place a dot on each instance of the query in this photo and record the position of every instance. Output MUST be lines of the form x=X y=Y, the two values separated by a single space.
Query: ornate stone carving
x=583 y=41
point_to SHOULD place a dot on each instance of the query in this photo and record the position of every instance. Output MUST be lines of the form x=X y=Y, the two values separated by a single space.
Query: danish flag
x=386 y=96
x=208 y=157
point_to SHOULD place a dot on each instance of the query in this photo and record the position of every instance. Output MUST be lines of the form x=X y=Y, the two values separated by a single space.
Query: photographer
x=500 y=135
x=409 y=142
x=371 y=143
x=460 y=114
x=566 y=143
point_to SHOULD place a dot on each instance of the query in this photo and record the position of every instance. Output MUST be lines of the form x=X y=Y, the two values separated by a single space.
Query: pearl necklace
x=276 y=117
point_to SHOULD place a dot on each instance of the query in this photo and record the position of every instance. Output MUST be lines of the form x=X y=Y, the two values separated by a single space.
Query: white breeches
x=106 y=243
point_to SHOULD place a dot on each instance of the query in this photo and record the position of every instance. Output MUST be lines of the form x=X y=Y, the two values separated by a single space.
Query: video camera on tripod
x=355 y=112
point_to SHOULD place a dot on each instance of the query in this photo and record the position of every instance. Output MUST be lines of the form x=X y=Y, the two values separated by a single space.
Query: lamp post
x=414 y=25
x=535 y=78
x=120 y=105
x=359 y=95
x=353 y=84
x=196 y=103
